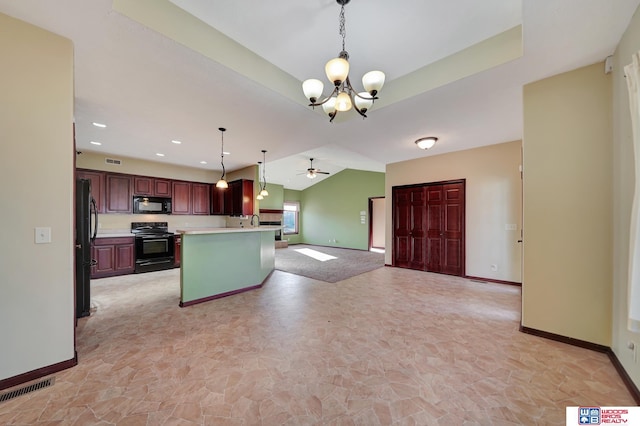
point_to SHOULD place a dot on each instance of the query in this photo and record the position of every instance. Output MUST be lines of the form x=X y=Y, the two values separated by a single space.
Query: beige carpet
x=329 y=264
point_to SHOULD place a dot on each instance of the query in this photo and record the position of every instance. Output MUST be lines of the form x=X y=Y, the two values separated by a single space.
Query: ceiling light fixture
x=260 y=196
x=159 y=154
x=343 y=96
x=426 y=143
x=95 y=143
x=99 y=125
x=203 y=162
x=222 y=183
x=264 y=191
x=176 y=142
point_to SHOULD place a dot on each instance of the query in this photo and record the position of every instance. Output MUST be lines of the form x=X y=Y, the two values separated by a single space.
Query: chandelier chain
x=343 y=31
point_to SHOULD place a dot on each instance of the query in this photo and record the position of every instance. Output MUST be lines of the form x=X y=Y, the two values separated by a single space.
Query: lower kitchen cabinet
x=113 y=256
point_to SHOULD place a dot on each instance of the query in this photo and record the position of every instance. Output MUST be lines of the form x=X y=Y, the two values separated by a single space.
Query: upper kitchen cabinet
x=200 y=198
x=153 y=187
x=97 y=185
x=217 y=200
x=181 y=200
x=119 y=193
x=240 y=195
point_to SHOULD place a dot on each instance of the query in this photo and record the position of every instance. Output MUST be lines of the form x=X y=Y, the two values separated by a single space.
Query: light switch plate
x=43 y=235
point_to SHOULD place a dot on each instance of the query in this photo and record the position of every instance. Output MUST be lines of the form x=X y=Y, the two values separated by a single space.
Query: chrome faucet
x=255 y=215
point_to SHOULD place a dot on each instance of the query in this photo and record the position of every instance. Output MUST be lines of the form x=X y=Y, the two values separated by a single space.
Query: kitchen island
x=219 y=262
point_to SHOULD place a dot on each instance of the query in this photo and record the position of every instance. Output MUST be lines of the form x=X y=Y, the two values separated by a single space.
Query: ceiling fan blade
x=322 y=173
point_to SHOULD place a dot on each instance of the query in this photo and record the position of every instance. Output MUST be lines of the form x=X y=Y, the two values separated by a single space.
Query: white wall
x=493 y=200
x=623 y=187
x=36 y=171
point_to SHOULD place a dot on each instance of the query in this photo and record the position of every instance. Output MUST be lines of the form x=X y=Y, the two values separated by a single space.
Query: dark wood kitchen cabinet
x=181 y=200
x=200 y=198
x=97 y=185
x=118 y=193
x=217 y=200
x=113 y=256
x=152 y=187
x=238 y=198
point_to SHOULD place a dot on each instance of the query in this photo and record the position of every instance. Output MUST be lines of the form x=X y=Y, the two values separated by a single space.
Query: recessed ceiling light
x=95 y=143
x=159 y=154
x=203 y=162
x=226 y=153
x=99 y=124
x=176 y=142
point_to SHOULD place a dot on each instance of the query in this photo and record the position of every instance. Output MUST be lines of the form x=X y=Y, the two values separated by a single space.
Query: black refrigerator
x=86 y=228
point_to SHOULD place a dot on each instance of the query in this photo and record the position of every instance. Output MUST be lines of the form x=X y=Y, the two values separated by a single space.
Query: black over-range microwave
x=152 y=205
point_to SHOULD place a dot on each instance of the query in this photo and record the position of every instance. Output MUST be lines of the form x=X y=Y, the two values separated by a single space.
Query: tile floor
x=391 y=346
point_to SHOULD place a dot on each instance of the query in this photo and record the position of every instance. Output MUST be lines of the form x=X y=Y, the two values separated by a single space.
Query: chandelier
x=343 y=96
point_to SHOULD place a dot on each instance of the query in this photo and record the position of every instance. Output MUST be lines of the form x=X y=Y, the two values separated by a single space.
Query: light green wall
x=623 y=189
x=275 y=199
x=331 y=209
x=218 y=263
x=567 y=187
x=294 y=195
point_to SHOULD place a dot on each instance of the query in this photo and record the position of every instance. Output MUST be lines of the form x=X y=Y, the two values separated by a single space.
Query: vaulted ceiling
x=161 y=70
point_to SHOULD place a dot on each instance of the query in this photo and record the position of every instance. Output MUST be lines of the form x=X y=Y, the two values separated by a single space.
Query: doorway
x=428 y=227
x=377 y=206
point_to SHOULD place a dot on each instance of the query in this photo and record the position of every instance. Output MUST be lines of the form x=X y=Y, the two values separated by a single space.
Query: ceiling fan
x=312 y=172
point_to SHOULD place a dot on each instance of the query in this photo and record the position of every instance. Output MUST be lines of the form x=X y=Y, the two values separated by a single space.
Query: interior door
x=428 y=226
x=409 y=227
x=452 y=261
x=435 y=232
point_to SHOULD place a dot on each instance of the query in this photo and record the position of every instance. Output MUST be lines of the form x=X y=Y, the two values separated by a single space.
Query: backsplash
x=110 y=222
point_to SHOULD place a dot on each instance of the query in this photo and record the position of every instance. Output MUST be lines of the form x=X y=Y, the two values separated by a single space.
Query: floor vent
x=113 y=161
x=26 y=389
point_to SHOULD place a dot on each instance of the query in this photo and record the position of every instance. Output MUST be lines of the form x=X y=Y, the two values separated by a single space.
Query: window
x=291 y=217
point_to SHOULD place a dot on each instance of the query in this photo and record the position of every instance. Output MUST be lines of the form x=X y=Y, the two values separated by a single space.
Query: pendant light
x=264 y=191
x=260 y=196
x=222 y=184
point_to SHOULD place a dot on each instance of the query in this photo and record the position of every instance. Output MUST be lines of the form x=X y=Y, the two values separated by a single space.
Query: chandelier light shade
x=344 y=96
x=426 y=143
x=222 y=183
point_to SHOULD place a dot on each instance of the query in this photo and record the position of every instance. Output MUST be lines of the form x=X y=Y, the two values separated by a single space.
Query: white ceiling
x=149 y=88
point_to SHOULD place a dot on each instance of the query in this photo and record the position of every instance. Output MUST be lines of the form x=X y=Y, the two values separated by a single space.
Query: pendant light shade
x=373 y=82
x=312 y=89
x=329 y=106
x=343 y=102
x=337 y=70
x=363 y=101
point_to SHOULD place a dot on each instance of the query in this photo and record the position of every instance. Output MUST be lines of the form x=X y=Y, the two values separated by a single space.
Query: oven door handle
x=156 y=262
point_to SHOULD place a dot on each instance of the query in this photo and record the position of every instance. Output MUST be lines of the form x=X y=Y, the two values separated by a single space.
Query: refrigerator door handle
x=95 y=219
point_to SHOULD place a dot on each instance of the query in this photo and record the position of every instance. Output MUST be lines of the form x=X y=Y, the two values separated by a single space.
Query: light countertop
x=196 y=231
